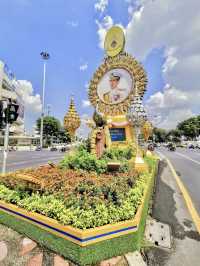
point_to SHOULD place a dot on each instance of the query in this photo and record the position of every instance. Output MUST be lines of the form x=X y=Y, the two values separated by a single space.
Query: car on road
x=53 y=149
x=181 y=145
x=63 y=149
x=12 y=148
x=197 y=146
x=191 y=146
x=38 y=148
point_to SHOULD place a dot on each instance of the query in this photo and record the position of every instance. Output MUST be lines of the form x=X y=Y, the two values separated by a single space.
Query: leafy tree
x=174 y=135
x=63 y=136
x=159 y=134
x=190 y=127
x=52 y=128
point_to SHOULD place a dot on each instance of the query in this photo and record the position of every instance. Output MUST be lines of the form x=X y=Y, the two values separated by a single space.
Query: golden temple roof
x=72 y=119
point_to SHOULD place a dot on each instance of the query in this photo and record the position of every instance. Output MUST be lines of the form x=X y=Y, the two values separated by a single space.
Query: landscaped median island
x=78 y=208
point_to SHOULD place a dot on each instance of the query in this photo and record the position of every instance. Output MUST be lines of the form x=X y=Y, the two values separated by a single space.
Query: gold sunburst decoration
x=137 y=73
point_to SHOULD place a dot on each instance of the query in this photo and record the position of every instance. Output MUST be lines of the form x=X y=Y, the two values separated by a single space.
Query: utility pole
x=6 y=136
x=5 y=151
x=11 y=115
x=45 y=56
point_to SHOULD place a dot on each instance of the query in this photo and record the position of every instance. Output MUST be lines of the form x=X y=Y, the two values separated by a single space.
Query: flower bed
x=84 y=201
x=75 y=197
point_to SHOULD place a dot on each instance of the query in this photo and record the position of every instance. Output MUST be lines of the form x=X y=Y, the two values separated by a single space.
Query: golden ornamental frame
x=138 y=74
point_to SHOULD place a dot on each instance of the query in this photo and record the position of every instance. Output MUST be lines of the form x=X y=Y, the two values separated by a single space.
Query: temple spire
x=72 y=119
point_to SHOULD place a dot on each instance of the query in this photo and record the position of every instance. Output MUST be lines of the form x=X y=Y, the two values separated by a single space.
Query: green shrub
x=84 y=160
x=118 y=154
x=89 y=205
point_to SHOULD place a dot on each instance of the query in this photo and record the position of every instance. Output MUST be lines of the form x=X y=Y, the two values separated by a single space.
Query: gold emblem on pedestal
x=114 y=41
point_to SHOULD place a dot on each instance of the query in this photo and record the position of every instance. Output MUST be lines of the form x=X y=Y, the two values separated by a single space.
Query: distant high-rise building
x=8 y=91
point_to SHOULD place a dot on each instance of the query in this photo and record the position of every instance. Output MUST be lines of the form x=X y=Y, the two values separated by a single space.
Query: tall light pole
x=45 y=56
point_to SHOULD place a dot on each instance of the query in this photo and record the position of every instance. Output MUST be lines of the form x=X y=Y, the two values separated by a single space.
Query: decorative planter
x=75 y=244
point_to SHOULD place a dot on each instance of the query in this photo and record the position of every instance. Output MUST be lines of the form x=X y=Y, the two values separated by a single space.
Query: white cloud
x=173 y=26
x=171 y=106
x=72 y=23
x=83 y=67
x=101 y=5
x=86 y=103
x=103 y=26
x=84 y=130
x=170 y=61
x=31 y=101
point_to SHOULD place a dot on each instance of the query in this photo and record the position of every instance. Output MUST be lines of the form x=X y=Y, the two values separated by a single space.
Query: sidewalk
x=169 y=207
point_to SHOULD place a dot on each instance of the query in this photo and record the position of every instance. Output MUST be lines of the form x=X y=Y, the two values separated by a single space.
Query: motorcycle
x=171 y=147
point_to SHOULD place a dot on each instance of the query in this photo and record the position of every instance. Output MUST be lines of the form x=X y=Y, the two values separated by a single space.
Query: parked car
x=53 y=149
x=38 y=148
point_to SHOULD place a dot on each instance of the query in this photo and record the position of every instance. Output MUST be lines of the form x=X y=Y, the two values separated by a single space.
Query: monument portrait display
x=115 y=86
x=117 y=79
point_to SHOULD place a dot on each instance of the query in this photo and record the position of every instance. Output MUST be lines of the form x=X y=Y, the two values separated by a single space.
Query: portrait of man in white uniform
x=116 y=94
x=115 y=86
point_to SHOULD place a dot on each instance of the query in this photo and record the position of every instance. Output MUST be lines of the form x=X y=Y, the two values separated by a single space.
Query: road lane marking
x=187 y=157
x=193 y=212
x=35 y=161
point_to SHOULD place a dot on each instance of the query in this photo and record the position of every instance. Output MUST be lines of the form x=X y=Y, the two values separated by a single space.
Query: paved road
x=187 y=165
x=169 y=207
x=25 y=159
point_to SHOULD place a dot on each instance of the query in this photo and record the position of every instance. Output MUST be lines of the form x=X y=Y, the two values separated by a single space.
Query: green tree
x=174 y=135
x=190 y=127
x=52 y=129
x=63 y=136
x=159 y=134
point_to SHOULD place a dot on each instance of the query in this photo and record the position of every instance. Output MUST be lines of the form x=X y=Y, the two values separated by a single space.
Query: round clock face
x=115 y=86
x=114 y=41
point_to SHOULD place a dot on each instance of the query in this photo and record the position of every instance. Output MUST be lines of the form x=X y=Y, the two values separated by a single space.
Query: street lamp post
x=45 y=56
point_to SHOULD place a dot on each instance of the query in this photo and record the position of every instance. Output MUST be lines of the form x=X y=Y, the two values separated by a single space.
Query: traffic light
x=1 y=115
x=12 y=112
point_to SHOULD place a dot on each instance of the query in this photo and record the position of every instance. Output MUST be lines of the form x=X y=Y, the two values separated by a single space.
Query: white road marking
x=35 y=161
x=187 y=157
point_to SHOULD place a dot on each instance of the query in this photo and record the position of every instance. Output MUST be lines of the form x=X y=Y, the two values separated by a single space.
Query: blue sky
x=68 y=31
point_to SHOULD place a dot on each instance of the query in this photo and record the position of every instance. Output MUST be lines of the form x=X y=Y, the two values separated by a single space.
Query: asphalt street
x=187 y=165
x=169 y=207
x=26 y=159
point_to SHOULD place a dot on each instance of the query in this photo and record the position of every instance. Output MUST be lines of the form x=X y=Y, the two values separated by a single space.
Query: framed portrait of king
x=115 y=83
x=115 y=86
